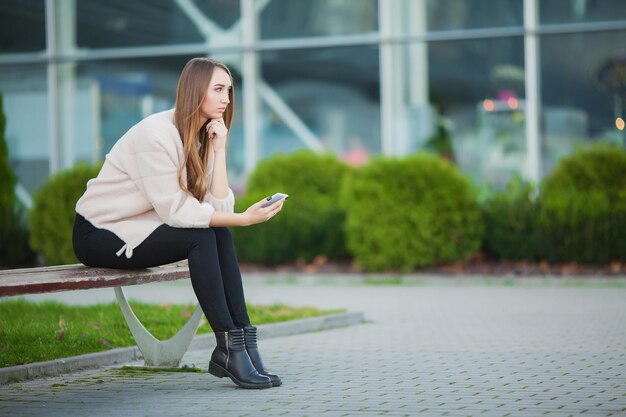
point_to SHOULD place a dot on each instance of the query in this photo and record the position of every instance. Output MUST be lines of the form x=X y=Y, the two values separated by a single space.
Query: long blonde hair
x=192 y=87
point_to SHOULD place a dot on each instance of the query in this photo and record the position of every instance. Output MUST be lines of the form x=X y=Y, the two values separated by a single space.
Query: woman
x=162 y=195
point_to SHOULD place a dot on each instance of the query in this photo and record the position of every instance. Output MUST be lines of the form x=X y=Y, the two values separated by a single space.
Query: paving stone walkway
x=425 y=351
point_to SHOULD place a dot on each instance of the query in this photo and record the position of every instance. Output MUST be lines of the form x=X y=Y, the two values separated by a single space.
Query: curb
x=431 y=279
x=206 y=341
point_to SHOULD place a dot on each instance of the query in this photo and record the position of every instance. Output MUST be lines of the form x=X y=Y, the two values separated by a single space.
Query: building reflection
x=358 y=78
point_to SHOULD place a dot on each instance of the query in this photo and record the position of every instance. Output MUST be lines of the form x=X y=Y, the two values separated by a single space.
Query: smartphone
x=276 y=197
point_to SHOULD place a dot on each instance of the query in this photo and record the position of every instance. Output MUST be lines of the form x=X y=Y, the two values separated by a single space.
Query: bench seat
x=81 y=277
x=166 y=353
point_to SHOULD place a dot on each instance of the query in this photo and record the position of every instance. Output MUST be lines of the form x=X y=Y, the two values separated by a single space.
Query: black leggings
x=213 y=265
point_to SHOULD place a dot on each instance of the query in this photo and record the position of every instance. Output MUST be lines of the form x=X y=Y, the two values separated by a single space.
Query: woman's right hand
x=256 y=214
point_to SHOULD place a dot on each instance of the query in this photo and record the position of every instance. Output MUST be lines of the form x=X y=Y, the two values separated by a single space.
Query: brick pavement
x=427 y=351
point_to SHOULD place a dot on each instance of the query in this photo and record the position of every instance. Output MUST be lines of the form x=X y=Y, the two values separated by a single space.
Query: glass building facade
x=501 y=87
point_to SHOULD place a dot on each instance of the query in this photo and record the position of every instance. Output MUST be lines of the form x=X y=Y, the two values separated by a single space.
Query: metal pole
x=386 y=76
x=533 y=91
x=53 y=132
x=65 y=27
x=250 y=87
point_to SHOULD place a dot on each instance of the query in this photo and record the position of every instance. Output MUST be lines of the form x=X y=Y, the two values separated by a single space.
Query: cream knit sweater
x=137 y=188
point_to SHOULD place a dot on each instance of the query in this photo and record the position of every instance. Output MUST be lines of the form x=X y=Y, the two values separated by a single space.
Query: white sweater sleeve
x=158 y=179
x=226 y=204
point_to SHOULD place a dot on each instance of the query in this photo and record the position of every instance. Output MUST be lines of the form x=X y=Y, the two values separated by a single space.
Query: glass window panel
x=567 y=11
x=472 y=14
x=582 y=98
x=121 y=23
x=22 y=26
x=25 y=97
x=334 y=92
x=225 y=13
x=465 y=101
x=111 y=96
x=303 y=18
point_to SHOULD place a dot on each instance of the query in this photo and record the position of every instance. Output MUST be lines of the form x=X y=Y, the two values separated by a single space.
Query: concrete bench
x=167 y=353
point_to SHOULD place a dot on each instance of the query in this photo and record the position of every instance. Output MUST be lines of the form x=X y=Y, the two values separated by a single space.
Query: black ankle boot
x=255 y=356
x=231 y=359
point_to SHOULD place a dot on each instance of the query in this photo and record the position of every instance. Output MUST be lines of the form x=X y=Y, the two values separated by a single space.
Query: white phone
x=273 y=199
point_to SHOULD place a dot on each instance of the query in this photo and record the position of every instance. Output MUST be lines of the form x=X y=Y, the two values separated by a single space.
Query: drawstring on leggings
x=128 y=249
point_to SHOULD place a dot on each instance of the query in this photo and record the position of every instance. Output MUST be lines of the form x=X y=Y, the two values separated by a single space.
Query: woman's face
x=217 y=96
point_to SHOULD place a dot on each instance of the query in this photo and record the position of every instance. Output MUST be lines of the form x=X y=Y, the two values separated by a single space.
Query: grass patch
x=147 y=369
x=391 y=281
x=33 y=332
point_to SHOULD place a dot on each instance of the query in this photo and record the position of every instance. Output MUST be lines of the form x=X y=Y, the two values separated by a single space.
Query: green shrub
x=7 y=177
x=52 y=216
x=583 y=207
x=511 y=226
x=594 y=167
x=311 y=222
x=14 y=250
x=410 y=212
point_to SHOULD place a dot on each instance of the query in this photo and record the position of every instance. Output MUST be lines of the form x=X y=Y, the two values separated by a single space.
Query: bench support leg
x=167 y=353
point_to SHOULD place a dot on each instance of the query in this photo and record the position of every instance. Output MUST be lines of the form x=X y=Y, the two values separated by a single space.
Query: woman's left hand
x=218 y=133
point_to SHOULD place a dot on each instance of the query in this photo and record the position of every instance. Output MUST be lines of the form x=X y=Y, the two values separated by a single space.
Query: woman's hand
x=257 y=214
x=218 y=133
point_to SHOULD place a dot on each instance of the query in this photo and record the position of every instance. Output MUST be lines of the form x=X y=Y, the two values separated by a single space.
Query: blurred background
x=503 y=88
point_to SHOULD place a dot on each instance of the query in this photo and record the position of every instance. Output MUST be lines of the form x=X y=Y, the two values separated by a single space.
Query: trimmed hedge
x=580 y=215
x=311 y=222
x=583 y=207
x=52 y=216
x=410 y=212
x=511 y=223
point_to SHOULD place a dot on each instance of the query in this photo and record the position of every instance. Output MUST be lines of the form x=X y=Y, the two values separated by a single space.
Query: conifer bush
x=14 y=249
